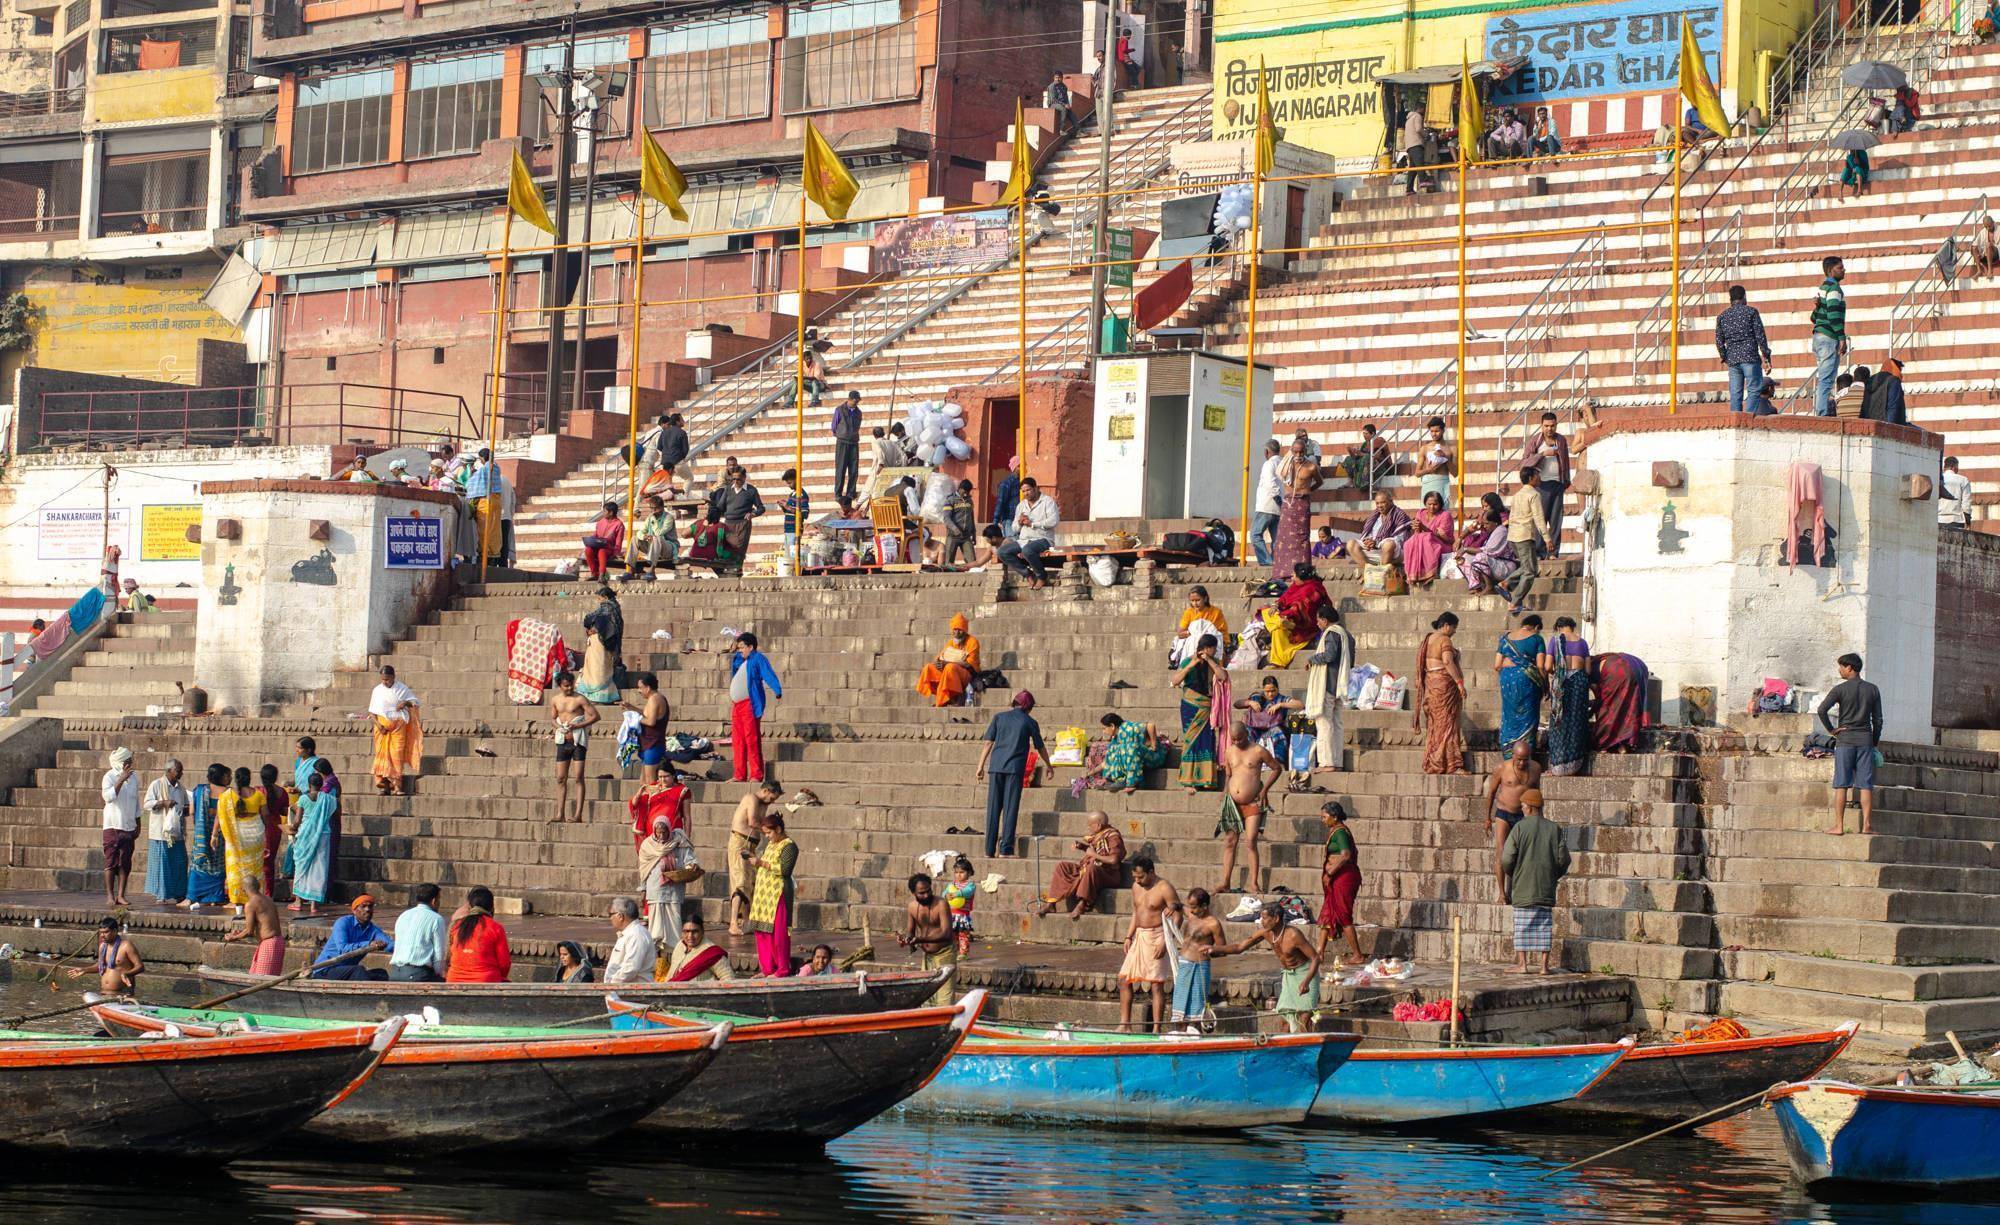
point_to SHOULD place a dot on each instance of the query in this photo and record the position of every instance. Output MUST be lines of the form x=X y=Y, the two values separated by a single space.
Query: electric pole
x=1106 y=86
x=553 y=298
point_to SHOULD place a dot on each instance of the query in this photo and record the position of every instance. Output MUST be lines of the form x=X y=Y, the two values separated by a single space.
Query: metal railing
x=154 y=220
x=363 y=414
x=1553 y=306
x=39 y=102
x=1406 y=426
x=1924 y=300
x=33 y=227
x=1566 y=394
x=1150 y=151
x=1719 y=254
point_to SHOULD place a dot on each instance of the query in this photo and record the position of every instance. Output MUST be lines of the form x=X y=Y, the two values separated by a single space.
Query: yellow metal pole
x=1464 y=162
x=500 y=323
x=799 y=418
x=1021 y=333
x=632 y=383
x=1250 y=347
x=1674 y=312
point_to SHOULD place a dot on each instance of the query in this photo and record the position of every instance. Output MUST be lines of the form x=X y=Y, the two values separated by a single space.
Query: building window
x=457 y=270
x=541 y=105
x=40 y=197
x=153 y=193
x=709 y=72
x=183 y=46
x=115 y=9
x=454 y=104
x=342 y=121
x=844 y=54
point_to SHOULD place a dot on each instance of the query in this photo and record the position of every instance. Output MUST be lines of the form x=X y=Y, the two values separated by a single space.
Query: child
x=1199 y=939
x=958 y=896
x=821 y=963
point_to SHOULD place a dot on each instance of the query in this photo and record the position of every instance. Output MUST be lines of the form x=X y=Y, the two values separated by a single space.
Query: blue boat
x=1430 y=1086
x=1907 y=1137
x=1179 y=1082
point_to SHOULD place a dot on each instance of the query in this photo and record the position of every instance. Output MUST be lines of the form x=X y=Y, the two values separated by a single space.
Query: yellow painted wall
x=158 y=93
x=1323 y=64
x=141 y=329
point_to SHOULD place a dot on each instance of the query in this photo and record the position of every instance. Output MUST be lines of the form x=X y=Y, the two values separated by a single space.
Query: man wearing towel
x=1534 y=859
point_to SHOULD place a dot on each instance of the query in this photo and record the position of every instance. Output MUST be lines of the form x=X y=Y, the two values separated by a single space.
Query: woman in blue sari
x=1522 y=663
x=1199 y=682
x=206 y=873
x=312 y=848
x=1569 y=720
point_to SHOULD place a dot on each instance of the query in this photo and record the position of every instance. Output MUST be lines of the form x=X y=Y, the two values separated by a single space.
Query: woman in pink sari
x=1433 y=536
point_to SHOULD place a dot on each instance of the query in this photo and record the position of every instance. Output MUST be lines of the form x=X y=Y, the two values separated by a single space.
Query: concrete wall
x=281 y=612
x=1967 y=692
x=147 y=324
x=1059 y=441
x=1712 y=603
x=51 y=510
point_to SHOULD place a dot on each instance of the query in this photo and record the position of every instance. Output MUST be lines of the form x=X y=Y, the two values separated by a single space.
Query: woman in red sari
x=1293 y=622
x=1340 y=882
x=1620 y=681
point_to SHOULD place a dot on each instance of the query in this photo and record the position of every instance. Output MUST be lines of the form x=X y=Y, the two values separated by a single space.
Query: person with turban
x=946 y=677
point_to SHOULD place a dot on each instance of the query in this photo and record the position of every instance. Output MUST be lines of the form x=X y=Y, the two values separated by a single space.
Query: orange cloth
x=483 y=958
x=159 y=53
x=399 y=747
x=946 y=683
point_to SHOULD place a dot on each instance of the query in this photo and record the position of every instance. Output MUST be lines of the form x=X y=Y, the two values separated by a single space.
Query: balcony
x=40 y=200
x=41 y=103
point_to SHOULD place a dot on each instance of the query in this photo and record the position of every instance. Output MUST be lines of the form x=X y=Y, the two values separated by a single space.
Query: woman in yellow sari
x=944 y=679
x=239 y=815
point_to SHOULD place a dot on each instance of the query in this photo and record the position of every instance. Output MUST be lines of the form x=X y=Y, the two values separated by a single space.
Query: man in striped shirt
x=1829 y=333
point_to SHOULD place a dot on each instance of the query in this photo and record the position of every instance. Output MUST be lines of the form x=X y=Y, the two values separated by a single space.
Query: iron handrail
x=1567 y=405
x=1938 y=276
x=1154 y=143
x=1720 y=252
x=1553 y=304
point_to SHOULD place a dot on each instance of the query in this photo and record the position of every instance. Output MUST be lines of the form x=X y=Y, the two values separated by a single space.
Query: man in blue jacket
x=1007 y=499
x=749 y=674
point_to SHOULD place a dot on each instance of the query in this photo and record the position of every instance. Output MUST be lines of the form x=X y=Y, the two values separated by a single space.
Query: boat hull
x=1194 y=1083
x=561 y=1003
x=1850 y=1134
x=1434 y=1086
x=814 y=1079
x=206 y=1098
x=1664 y=1083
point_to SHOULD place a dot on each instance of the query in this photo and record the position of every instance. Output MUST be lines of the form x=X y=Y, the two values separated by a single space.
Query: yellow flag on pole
x=660 y=179
x=827 y=181
x=1021 y=162
x=1695 y=85
x=1267 y=129
x=524 y=200
x=1471 y=117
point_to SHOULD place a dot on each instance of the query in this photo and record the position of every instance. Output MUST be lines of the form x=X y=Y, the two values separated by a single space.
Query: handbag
x=1300 y=756
x=594 y=541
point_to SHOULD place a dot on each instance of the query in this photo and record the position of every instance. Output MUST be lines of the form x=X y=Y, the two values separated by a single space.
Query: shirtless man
x=1146 y=943
x=1519 y=773
x=929 y=931
x=746 y=826
x=261 y=925
x=1201 y=935
x=1246 y=791
x=573 y=714
x=652 y=711
x=1298 y=965
x=118 y=964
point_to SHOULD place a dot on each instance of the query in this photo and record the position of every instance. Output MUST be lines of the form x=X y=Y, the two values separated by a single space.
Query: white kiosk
x=1167 y=435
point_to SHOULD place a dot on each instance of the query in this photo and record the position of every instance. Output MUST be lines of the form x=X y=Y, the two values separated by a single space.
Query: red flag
x=1157 y=302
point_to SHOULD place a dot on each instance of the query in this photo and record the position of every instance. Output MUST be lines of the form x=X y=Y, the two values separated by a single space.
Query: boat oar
x=301 y=972
x=18 y=1022
x=1719 y=1111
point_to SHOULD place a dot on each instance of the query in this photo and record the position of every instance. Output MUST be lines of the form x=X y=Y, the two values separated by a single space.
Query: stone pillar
x=1691 y=570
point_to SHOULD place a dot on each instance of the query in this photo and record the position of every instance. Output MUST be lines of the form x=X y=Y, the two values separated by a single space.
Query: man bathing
x=1246 y=794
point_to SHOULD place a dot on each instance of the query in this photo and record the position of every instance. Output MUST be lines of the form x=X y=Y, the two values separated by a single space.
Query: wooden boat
x=1683 y=1080
x=1439 y=1085
x=808 y=1079
x=559 y=1003
x=1906 y=1137
x=1175 y=1082
x=207 y=1098
x=447 y=1091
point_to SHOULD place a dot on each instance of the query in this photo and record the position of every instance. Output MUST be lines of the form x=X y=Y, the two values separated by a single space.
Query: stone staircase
x=134 y=665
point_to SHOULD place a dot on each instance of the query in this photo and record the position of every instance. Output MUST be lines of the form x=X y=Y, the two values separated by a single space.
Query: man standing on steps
x=120 y=790
x=573 y=714
x=1742 y=347
x=1298 y=965
x=1547 y=453
x=1829 y=333
x=749 y=675
x=929 y=931
x=736 y=503
x=1526 y=529
x=746 y=827
x=1535 y=859
x=1270 y=496
x=1855 y=736
x=846 y=445
x=1146 y=964
x=1003 y=763
x=1246 y=792
x=1514 y=777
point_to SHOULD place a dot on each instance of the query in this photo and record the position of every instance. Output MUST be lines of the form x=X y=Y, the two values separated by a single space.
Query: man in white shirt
x=166 y=825
x=399 y=738
x=633 y=953
x=1954 y=496
x=1269 y=497
x=421 y=955
x=1035 y=534
x=120 y=790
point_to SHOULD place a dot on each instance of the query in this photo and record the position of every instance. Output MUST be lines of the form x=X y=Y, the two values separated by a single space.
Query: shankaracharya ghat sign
x=1323 y=68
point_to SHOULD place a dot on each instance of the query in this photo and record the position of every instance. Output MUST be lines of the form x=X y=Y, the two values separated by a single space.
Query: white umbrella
x=1854 y=138
x=1873 y=74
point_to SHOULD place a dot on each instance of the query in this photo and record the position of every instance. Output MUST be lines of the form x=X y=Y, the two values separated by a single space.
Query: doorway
x=1166 y=457
x=1001 y=441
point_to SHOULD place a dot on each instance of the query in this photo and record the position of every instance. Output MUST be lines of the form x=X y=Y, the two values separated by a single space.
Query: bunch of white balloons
x=1232 y=210
x=936 y=430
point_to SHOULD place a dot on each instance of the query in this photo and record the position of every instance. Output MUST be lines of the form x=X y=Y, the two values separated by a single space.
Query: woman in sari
x=1134 y=749
x=773 y=897
x=312 y=848
x=399 y=734
x=1299 y=475
x=1569 y=721
x=1621 y=702
x=1432 y=537
x=1294 y=621
x=1198 y=618
x=604 y=641
x=945 y=678
x=1202 y=682
x=239 y=816
x=205 y=862
x=1442 y=699
x=1484 y=557
x=1522 y=662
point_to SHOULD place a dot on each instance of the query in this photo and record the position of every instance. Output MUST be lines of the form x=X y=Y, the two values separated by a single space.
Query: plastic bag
x=1072 y=745
x=1104 y=571
x=1394 y=690
x=1358 y=679
x=1299 y=757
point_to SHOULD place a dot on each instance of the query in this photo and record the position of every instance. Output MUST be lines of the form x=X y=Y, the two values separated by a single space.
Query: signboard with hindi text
x=76 y=533
x=163 y=532
x=413 y=543
x=1318 y=93
x=1118 y=257
x=1591 y=50
x=944 y=241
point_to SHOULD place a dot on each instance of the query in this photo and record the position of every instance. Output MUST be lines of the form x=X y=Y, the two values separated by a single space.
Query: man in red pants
x=749 y=675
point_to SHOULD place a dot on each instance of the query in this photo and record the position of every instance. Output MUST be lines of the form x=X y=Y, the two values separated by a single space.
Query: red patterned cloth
x=535 y=653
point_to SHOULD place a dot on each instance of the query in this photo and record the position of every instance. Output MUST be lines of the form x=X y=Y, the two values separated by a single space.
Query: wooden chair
x=890 y=523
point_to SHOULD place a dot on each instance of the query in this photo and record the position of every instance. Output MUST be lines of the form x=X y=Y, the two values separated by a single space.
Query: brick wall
x=1966 y=693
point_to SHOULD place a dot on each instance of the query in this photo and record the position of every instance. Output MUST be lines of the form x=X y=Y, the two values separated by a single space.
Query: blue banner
x=413 y=544
x=1598 y=50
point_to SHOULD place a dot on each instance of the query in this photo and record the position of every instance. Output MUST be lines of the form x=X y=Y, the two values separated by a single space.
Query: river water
x=907 y=1168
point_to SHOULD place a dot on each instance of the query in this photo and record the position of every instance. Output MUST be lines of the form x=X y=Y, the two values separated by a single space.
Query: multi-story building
x=397 y=121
